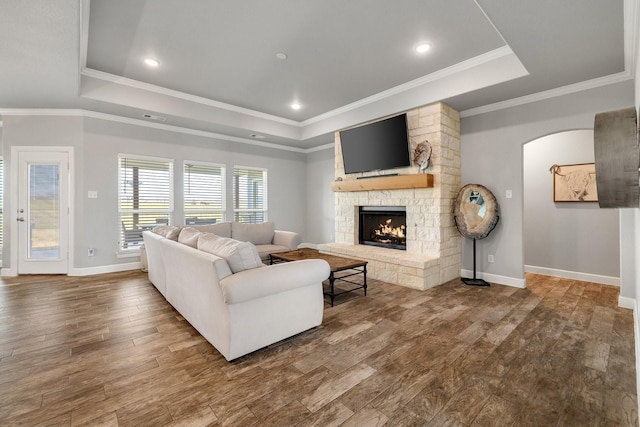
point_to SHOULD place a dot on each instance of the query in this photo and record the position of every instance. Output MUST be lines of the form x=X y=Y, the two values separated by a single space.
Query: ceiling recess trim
x=438 y=75
x=124 y=81
x=143 y=123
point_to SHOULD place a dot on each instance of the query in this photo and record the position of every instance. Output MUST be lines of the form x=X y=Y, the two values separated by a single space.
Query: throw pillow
x=239 y=255
x=222 y=229
x=189 y=236
x=258 y=234
x=170 y=232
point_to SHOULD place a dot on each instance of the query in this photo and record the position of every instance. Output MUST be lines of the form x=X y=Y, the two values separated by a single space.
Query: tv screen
x=379 y=145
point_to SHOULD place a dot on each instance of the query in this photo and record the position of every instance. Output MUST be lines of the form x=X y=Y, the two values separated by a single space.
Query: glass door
x=43 y=213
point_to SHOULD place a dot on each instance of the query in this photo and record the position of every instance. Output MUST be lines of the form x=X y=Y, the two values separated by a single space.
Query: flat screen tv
x=375 y=146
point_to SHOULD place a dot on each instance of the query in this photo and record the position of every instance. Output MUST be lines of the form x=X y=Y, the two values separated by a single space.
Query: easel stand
x=474 y=281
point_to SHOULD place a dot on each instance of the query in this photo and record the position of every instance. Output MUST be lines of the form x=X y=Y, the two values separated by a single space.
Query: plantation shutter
x=249 y=194
x=204 y=193
x=145 y=196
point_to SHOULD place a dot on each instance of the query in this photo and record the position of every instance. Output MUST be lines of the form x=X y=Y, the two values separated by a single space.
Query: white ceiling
x=347 y=61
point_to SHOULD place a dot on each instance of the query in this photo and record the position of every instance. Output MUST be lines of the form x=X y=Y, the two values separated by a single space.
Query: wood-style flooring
x=109 y=350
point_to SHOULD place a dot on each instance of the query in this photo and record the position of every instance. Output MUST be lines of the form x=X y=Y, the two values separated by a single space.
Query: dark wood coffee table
x=341 y=268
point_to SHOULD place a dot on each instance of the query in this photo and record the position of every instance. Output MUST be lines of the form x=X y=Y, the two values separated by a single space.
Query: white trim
x=13 y=225
x=573 y=275
x=8 y=272
x=131 y=253
x=495 y=278
x=139 y=122
x=114 y=268
x=440 y=74
x=136 y=84
x=331 y=145
x=548 y=94
x=630 y=16
x=626 y=302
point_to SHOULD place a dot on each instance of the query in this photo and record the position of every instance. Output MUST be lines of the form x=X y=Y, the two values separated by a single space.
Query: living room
x=300 y=177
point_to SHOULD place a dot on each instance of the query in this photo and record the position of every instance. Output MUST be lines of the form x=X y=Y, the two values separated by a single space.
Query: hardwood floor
x=108 y=350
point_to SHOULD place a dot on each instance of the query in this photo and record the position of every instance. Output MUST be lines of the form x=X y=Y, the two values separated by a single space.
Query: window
x=145 y=197
x=204 y=193
x=249 y=194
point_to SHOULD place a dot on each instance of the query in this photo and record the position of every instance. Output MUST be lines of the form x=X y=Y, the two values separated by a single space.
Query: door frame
x=11 y=214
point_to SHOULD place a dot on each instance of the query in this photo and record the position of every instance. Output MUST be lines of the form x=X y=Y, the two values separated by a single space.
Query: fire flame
x=386 y=230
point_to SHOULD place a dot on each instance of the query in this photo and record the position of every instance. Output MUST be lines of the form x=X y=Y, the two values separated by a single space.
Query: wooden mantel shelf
x=396 y=182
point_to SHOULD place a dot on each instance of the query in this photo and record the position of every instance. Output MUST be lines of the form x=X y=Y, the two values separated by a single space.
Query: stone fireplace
x=432 y=245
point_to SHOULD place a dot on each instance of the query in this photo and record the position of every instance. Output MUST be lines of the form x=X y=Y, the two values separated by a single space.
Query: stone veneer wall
x=433 y=254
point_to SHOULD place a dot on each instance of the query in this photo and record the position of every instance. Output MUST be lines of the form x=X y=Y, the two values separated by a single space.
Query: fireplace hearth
x=383 y=226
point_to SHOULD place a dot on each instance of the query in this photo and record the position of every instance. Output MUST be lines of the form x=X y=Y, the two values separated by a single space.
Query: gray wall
x=492 y=155
x=97 y=144
x=320 y=199
x=574 y=237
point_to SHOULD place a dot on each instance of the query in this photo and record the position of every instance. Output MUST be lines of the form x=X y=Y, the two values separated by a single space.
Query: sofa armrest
x=272 y=279
x=288 y=239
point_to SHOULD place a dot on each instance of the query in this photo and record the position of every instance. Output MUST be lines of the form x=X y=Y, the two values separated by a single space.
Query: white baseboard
x=495 y=278
x=626 y=302
x=12 y=272
x=636 y=328
x=573 y=275
x=88 y=271
x=8 y=272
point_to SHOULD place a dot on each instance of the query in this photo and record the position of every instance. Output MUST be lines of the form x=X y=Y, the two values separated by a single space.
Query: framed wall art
x=574 y=183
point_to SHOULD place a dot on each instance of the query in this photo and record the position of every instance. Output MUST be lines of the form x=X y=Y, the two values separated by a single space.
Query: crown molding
x=136 y=84
x=548 y=94
x=138 y=122
x=438 y=75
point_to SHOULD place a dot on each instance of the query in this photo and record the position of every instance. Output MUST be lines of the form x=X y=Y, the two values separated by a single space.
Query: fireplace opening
x=383 y=226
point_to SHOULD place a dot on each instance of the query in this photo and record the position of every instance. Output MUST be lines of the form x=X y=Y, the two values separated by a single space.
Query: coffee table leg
x=331 y=282
x=364 y=273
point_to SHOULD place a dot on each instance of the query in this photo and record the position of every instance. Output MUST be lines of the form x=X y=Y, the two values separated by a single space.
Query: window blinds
x=203 y=193
x=249 y=194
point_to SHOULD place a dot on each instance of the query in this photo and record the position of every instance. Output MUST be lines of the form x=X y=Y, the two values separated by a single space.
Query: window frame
x=223 y=188
x=122 y=245
x=265 y=203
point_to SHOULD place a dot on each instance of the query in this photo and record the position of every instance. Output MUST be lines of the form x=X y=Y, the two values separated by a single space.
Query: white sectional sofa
x=263 y=235
x=238 y=304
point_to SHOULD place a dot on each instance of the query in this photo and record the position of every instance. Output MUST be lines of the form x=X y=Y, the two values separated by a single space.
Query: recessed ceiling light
x=296 y=106
x=281 y=56
x=151 y=62
x=423 y=47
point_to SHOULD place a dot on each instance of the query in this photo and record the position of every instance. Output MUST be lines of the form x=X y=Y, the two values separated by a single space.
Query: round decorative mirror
x=476 y=211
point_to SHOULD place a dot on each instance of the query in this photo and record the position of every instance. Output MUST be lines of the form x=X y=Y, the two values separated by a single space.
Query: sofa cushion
x=170 y=232
x=189 y=236
x=222 y=229
x=239 y=255
x=265 y=250
x=258 y=234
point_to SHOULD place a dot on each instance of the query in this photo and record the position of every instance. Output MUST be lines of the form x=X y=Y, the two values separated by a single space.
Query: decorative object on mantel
x=476 y=213
x=574 y=183
x=422 y=156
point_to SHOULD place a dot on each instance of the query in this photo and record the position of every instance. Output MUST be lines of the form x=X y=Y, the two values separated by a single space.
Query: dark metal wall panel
x=617 y=158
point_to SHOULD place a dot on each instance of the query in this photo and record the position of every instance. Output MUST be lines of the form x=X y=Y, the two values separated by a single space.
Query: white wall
x=97 y=144
x=492 y=155
x=566 y=239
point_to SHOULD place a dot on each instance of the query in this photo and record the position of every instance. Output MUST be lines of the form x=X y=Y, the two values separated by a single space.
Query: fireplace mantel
x=395 y=182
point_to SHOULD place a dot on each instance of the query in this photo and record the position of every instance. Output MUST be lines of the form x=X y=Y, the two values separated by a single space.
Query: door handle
x=21 y=219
